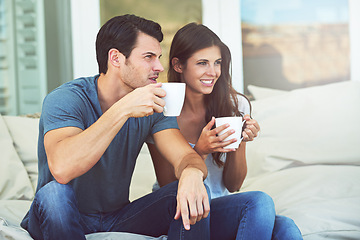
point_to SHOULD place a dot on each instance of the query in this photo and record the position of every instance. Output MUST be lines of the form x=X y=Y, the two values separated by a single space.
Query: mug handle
x=243 y=128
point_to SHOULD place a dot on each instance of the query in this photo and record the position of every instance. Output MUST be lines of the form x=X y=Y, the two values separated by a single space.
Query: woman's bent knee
x=285 y=228
x=261 y=200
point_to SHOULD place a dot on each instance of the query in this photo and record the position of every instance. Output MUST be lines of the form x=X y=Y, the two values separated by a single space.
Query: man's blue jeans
x=249 y=216
x=54 y=215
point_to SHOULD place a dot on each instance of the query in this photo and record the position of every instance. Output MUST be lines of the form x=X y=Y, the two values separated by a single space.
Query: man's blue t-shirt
x=105 y=187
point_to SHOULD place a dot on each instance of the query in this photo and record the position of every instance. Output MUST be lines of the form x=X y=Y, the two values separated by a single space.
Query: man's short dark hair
x=121 y=33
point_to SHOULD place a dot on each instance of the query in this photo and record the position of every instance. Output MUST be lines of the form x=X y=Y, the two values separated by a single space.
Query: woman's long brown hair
x=223 y=100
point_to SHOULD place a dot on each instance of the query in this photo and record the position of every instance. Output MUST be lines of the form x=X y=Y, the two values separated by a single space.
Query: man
x=91 y=131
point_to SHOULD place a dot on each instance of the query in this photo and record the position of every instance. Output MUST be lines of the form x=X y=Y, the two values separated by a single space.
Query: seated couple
x=92 y=129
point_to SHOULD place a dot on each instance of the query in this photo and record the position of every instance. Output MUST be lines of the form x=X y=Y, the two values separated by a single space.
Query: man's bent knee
x=55 y=195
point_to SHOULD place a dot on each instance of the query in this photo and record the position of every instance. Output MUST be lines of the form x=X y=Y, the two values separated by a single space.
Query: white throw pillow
x=24 y=132
x=316 y=125
x=14 y=180
x=263 y=92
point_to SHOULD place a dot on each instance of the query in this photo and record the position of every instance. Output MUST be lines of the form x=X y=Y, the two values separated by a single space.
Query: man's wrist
x=192 y=160
x=190 y=170
x=122 y=109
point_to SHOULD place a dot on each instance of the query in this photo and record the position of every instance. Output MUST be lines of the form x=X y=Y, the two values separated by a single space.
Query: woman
x=201 y=60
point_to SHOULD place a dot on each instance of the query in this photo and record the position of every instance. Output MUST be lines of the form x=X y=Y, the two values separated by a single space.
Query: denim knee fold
x=54 y=214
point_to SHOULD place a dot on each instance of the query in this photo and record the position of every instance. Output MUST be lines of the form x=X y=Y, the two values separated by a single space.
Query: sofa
x=307 y=158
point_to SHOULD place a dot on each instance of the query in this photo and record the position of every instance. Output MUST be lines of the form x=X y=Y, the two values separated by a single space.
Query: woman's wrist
x=202 y=155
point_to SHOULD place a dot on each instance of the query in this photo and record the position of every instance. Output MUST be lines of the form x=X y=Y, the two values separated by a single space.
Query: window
x=252 y=27
x=294 y=44
x=22 y=57
x=35 y=52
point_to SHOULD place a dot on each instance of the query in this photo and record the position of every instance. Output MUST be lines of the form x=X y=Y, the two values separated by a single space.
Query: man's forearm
x=191 y=160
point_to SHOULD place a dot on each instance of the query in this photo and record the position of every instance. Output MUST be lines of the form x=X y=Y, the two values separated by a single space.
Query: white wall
x=223 y=17
x=354 y=9
x=85 y=18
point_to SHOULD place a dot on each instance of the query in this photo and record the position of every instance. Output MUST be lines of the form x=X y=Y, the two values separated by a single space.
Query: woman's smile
x=207 y=82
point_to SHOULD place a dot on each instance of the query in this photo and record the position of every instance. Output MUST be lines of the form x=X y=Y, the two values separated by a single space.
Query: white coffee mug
x=235 y=123
x=174 y=99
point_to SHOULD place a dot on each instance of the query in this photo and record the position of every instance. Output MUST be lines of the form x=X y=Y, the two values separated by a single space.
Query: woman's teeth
x=207 y=81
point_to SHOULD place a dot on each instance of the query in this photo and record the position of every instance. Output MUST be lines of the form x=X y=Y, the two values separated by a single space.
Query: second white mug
x=236 y=123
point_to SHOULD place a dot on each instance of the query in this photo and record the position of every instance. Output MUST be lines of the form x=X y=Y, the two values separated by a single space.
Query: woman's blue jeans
x=249 y=216
x=54 y=215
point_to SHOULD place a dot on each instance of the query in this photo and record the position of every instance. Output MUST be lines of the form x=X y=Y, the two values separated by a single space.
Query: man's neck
x=109 y=91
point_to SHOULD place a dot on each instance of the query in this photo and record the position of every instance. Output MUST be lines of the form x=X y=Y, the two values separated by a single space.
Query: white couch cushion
x=14 y=180
x=316 y=125
x=263 y=92
x=323 y=200
x=24 y=132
